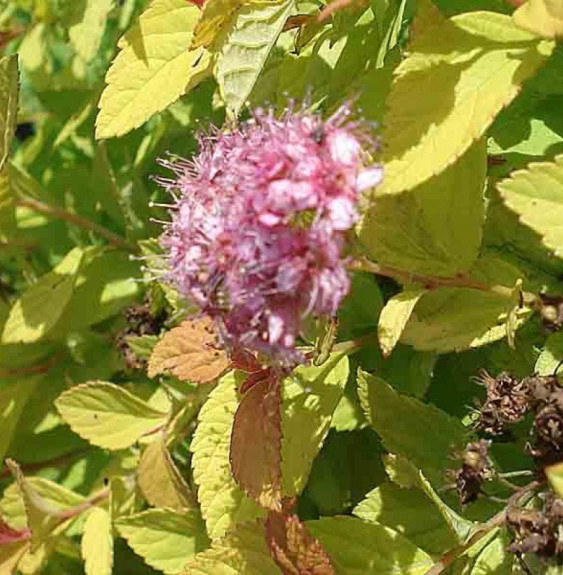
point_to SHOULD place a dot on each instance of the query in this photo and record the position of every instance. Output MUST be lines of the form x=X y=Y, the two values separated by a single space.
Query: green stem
x=61 y=214
x=435 y=282
x=498 y=520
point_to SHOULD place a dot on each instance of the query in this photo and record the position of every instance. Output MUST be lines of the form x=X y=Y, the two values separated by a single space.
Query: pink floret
x=258 y=230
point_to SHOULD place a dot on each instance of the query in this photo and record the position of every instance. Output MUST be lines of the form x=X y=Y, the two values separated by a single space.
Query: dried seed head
x=475 y=469
x=537 y=531
x=552 y=312
x=507 y=402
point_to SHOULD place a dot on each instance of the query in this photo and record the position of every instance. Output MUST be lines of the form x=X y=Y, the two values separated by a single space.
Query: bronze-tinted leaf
x=190 y=352
x=293 y=547
x=256 y=443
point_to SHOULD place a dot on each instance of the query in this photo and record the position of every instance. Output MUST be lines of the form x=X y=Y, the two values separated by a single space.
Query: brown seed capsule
x=507 y=402
x=475 y=469
x=551 y=312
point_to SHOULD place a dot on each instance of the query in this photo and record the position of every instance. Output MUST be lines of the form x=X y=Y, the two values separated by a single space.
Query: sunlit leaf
x=542 y=17
x=107 y=415
x=97 y=543
x=153 y=68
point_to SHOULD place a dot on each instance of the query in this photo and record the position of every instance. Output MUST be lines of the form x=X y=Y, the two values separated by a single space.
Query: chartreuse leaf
x=309 y=397
x=495 y=557
x=86 y=35
x=159 y=478
x=34 y=314
x=107 y=415
x=13 y=397
x=411 y=513
x=43 y=514
x=536 y=196
x=477 y=62
x=7 y=205
x=449 y=319
x=164 y=538
x=8 y=104
x=356 y=547
x=55 y=496
x=222 y=502
x=97 y=543
x=555 y=475
x=245 y=47
x=242 y=552
x=436 y=228
x=216 y=16
x=153 y=68
x=10 y=556
x=394 y=317
x=420 y=432
x=541 y=17
x=551 y=355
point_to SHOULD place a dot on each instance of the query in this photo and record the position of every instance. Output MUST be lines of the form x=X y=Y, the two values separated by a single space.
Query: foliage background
x=462 y=98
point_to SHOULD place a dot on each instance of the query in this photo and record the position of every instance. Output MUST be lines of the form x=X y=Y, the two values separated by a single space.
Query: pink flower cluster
x=258 y=228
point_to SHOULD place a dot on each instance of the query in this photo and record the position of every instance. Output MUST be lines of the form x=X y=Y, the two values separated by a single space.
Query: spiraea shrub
x=281 y=287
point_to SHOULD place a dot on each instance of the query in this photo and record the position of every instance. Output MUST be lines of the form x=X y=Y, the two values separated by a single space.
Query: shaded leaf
x=191 y=352
x=97 y=543
x=159 y=478
x=536 y=196
x=421 y=432
x=153 y=68
x=477 y=62
x=86 y=35
x=241 y=552
x=36 y=312
x=107 y=415
x=245 y=47
x=394 y=317
x=8 y=104
x=359 y=548
x=454 y=319
x=293 y=548
x=255 y=450
x=10 y=556
x=164 y=538
x=216 y=15
x=436 y=228
x=411 y=513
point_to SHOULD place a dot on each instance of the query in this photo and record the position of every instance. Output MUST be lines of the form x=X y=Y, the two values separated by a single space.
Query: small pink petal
x=368 y=178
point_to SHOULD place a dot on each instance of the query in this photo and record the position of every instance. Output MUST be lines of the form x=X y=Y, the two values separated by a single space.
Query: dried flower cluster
x=258 y=228
x=475 y=469
x=537 y=531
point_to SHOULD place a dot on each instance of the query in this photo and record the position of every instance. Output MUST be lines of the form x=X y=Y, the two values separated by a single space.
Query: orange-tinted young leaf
x=9 y=535
x=190 y=352
x=256 y=443
x=293 y=548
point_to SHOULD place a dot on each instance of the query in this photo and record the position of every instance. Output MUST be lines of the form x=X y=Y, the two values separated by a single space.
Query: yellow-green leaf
x=7 y=206
x=10 y=556
x=222 y=502
x=97 y=543
x=245 y=47
x=454 y=319
x=107 y=415
x=43 y=515
x=541 y=17
x=436 y=228
x=536 y=196
x=241 y=552
x=394 y=317
x=159 y=478
x=215 y=16
x=476 y=62
x=309 y=398
x=43 y=303
x=164 y=538
x=153 y=68
x=359 y=548
x=86 y=34
x=14 y=394
x=8 y=104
